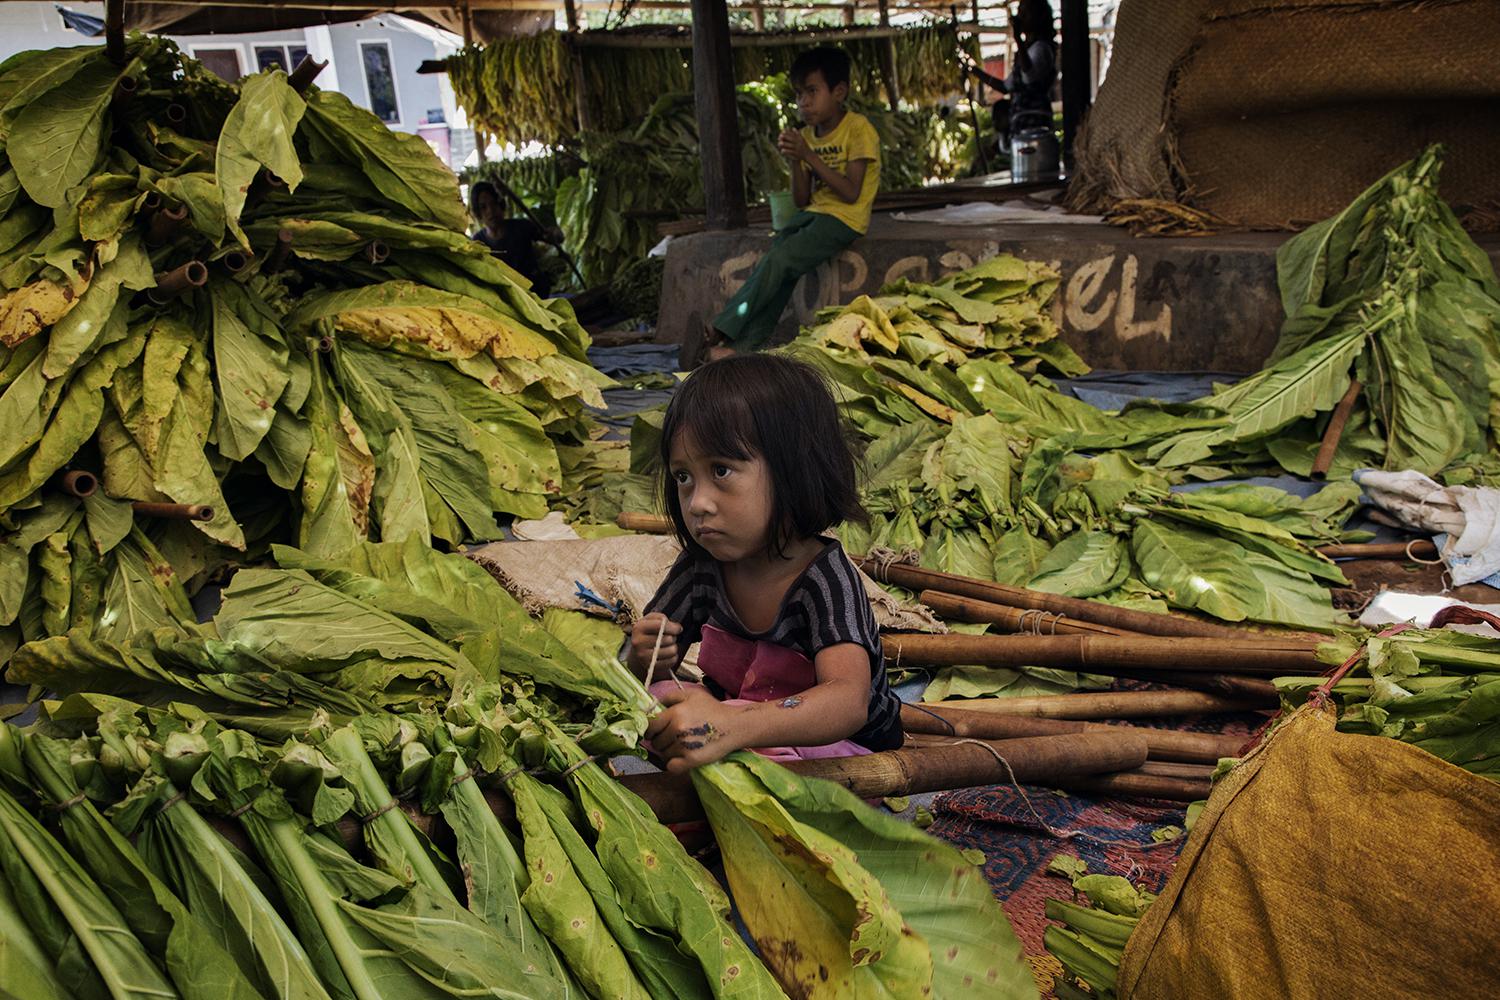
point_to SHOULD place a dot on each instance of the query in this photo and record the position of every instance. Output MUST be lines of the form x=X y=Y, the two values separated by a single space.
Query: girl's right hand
x=643 y=641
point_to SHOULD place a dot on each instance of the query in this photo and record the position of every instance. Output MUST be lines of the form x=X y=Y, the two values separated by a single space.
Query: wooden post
x=758 y=12
x=718 y=119
x=114 y=31
x=1075 y=72
x=889 y=71
x=849 y=16
x=580 y=78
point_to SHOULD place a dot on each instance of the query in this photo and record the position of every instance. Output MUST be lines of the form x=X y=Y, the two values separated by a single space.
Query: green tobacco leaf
x=209 y=875
x=15 y=550
x=258 y=133
x=1018 y=554
x=26 y=973
x=1082 y=565
x=1197 y=571
x=944 y=900
x=56 y=140
x=1291 y=598
x=825 y=926
x=962 y=551
x=251 y=369
x=195 y=960
x=1308 y=382
x=296 y=623
x=105 y=938
x=142 y=594
x=400 y=165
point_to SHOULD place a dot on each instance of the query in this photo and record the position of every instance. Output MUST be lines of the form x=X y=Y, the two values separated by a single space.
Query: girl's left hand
x=694 y=729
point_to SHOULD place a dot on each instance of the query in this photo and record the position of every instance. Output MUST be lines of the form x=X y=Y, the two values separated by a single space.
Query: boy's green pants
x=807 y=240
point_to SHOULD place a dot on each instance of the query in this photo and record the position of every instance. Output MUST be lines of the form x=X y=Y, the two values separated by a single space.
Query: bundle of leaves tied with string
x=255 y=306
x=404 y=689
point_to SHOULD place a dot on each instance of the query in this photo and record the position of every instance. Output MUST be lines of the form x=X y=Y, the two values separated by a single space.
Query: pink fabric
x=752 y=671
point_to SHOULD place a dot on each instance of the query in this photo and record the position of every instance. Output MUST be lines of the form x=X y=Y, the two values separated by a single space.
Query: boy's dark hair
x=831 y=62
x=484 y=187
x=783 y=411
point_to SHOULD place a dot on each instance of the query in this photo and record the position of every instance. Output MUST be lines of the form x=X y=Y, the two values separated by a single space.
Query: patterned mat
x=1022 y=828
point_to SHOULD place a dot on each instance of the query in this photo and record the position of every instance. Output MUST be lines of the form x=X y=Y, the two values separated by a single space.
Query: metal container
x=1033 y=154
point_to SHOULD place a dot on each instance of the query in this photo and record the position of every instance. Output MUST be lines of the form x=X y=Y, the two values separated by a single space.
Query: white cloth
x=1468 y=515
x=984 y=213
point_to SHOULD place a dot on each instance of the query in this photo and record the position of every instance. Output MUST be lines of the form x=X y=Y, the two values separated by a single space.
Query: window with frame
x=285 y=56
x=223 y=63
x=380 y=80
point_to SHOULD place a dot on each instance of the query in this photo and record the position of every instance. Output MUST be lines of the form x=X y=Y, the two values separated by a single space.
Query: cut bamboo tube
x=174 y=511
x=952 y=607
x=1162 y=769
x=78 y=483
x=1417 y=548
x=1100 y=653
x=1107 y=705
x=1041 y=759
x=306 y=71
x=1133 y=784
x=917 y=578
x=647 y=524
x=1161 y=744
x=170 y=284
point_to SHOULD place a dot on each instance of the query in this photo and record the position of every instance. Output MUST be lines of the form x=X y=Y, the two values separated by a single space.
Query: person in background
x=756 y=473
x=1029 y=83
x=835 y=163
x=513 y=240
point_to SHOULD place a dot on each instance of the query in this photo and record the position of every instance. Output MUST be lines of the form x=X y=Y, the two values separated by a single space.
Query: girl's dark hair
x=485 y=187
x=783 y=411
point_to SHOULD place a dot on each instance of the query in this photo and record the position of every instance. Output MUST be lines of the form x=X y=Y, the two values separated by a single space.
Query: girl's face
x=726 y=502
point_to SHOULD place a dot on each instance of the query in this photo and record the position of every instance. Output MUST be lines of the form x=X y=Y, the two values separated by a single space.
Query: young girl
x=755 y=469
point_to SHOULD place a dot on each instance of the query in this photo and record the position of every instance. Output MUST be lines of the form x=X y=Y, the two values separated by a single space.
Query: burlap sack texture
x=1272 y=114
x=627 y=569
x=1330 y=865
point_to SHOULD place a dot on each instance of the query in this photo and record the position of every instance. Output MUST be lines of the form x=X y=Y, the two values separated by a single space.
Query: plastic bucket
x=783 y=207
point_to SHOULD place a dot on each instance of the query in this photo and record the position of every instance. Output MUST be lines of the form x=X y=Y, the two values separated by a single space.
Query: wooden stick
x=114 y=31
x=940 y=719
x=1041 y=759
x=917 y=578
x=1106 y=705
x=174 y=511
x=969 y=609
x=1417 y=548
x=647 y=524
x=1101 y=653
x=279 y=252
x=1166 y=770
x=1335 y=430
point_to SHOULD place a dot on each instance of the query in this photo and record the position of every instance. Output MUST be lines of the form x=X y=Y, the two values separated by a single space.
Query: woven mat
x=1112 y=835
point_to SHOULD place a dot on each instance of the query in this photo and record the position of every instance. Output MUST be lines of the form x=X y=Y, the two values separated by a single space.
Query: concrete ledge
x=1172 y=304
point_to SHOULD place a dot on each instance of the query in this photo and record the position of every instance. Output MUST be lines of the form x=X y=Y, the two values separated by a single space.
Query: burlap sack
x=1330 y=865
x=627 y=569
x=1277 y=113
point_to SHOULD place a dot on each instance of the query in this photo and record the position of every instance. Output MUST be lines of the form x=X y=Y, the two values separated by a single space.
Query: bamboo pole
x=1101 y=653
x=78 y=483
x=939 y=719
x=917 y=578
x=1106 y=705
x=1042 y=759
x=1417 y=548
x=952 y=607
x=1228 y=685
x=649 y=524
x=1133 y=784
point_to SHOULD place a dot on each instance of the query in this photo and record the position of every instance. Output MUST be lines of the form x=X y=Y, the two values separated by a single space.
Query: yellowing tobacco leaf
x=32 y=308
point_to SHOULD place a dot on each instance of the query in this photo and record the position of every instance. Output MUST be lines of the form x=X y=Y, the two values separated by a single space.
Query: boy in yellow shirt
x=835 y=163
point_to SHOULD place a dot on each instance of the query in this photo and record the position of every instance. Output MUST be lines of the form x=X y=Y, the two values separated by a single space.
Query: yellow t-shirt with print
x=851 y=139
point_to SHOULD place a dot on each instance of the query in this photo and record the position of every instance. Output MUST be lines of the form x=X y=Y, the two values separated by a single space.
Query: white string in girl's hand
x=661 y=633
